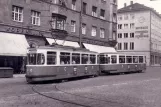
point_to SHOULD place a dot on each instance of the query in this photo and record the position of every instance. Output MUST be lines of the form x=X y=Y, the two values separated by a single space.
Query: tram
x=60 y=62
x=121 y=63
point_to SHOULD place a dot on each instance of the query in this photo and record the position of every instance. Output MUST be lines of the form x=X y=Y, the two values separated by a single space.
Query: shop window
x=51 y=58
x=92 y=59
x=75 y=58
x=121 y=59
x=17 y=13
x=135 y=59
x=113 y=59
x=64 y=58
x=85 y=59
x=128 y=59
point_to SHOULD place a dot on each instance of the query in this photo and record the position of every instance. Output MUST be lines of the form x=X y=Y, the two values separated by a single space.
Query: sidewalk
x=19 y=75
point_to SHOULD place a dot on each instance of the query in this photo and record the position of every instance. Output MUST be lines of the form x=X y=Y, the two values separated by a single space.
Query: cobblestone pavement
x=130 y=90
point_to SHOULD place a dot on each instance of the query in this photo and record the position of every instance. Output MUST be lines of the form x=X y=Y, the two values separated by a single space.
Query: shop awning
x=13 y=44
x=99 y=49
x=63 y=42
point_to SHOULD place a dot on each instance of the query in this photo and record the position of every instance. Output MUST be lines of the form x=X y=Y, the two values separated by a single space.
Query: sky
x=156 y=4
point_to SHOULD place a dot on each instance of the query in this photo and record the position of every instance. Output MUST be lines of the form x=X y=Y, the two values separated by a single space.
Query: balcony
x=58 y=26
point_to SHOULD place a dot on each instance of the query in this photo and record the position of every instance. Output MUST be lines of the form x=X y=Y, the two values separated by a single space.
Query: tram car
x=121 y=63
x=60 y=62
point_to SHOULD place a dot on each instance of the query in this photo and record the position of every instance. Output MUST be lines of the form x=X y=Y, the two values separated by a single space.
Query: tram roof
x=60 y=47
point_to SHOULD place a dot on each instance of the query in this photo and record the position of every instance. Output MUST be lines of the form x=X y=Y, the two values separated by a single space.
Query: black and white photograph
x=80 y=53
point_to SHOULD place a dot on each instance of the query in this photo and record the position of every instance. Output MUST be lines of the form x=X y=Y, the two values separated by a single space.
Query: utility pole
x=80 y=26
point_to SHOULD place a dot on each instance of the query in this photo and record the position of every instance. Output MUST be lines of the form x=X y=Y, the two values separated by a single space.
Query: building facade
x=139 y=32
x=81 y=21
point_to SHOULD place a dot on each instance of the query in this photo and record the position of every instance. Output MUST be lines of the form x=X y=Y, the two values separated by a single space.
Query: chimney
x=125 y=5
x=131 y=2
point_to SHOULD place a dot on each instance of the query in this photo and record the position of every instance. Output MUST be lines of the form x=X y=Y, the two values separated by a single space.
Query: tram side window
x=64 y=58
x=135 y=59
x=75 y=58
x=85 y=59
x=121 y=59
x=113 y=59
x=32 y=59
x=104 y=59
x=128 y=59
x=141 y=59
x=92 y=59
x=51 y=58
x=40 y=59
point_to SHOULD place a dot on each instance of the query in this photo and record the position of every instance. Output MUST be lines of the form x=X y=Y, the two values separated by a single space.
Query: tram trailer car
x=59 y=62
x=121 y=63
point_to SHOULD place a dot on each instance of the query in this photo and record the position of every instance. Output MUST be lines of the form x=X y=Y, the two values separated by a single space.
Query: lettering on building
x=142 y=32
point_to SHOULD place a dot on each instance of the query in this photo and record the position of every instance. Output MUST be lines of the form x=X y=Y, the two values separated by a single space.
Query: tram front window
x=51 y=58
x=92 y=59
x=64 y=58
x=121 y=59
x=75 y=58
x=113 y=59
x=104 y=59
x=36 y=59
x=85 y=59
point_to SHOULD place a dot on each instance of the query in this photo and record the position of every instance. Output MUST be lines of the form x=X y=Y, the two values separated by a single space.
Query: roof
x=137 y=7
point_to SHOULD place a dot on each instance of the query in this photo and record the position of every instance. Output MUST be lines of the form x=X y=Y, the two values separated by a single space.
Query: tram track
x=56 y=88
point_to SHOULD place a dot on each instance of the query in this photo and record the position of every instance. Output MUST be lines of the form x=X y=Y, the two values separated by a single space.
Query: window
x=17 y=13
x=84 y=7
x=114 y=1
x=125 y=46
x=85 y=59
x=102 y=14
x=83 y=28
x=119 y=46
x=58 y=23
x=73 y=4
x=40 y=59
x=121 y=59
x=104 y=59
x=75 y=58
x=35 y=17
x=119 y=18
x=102 y=33
x=51 y=58
x=94 y=31
x=131 y=35
x=73 y=26
x=131 y=45
x=132 y=25
x=31 y=58
x=119 y=26
x=135 y=59
x=125 y=35
x=114 y=35
x=64 y=58
x=114 y=17
x=119 y=35
x=113 y=59
x=125 y=26
x=94 y=11
x=126 y=17
x=132 y=16
x=92 y=59
x=141 y=59
x=128 y=59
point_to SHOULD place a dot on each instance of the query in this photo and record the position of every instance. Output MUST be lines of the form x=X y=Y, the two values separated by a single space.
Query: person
x=73 y=62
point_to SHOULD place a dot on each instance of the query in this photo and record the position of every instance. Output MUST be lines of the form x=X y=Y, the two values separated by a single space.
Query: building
x=139 y=32
x=36 y=22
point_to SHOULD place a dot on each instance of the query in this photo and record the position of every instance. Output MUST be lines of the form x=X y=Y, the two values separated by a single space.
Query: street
x=126 y=90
